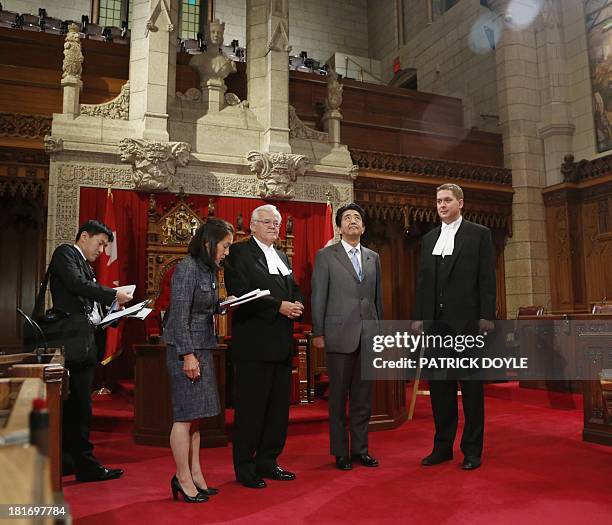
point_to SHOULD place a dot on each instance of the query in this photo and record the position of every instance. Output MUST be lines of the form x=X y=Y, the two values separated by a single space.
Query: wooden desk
x=153 y=404
x=588 y=350
x=53 y=376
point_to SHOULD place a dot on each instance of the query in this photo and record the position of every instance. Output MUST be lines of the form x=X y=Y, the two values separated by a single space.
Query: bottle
x=39 y=425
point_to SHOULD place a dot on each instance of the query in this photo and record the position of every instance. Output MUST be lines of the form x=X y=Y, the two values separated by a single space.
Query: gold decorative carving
x=24 y=126
x=118 y=108
x=179 y=226
x=299 y=130
x=277 y=172
x=73 y=57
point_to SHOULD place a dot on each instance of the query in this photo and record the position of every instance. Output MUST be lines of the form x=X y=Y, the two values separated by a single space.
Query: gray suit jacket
x=194 y=300
x=340 y=303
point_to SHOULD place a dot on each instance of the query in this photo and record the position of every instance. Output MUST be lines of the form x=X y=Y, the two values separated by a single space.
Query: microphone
x=40 y=335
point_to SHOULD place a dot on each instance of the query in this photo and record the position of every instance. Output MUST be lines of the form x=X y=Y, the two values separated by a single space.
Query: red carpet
x=536 y=469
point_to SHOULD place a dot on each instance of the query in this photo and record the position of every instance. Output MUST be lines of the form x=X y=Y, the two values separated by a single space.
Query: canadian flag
x=108 y=275
x=328 y=228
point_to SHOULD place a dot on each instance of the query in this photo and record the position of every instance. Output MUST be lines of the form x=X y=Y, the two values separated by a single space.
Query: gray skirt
x=193 y=400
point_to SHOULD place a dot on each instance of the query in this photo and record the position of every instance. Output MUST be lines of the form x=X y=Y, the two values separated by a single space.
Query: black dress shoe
x=435 y=459
x=471 y=463
x=99 y=474
x=210 y=491
x=279 y=474
x=366 y=460
x=253 y=483
x=343 y=463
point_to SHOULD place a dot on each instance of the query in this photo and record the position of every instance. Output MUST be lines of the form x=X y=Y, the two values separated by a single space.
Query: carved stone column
x=518 y=88
x=152 y=65
x=555 y=128
x=278 y=173
x=332 y=115
x=154 y=163
x=71 y=75
x=267 y=69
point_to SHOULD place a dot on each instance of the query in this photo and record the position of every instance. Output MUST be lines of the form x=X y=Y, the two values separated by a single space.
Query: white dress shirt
x=446 y=242
x=275 y=263
x=348 y=249
x=96 y=312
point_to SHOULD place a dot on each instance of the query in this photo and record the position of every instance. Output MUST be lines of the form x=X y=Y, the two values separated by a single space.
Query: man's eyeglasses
x=269 y=222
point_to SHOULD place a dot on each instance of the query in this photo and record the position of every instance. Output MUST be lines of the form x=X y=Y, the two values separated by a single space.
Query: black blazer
x=470 y=292
x=259 y=331
x=71 y=282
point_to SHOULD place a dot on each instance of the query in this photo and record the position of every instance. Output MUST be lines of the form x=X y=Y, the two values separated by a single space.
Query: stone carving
x=154 y=163
x=212 y=64
x=277 y=172
x=53 y=144
x=231 y=99
x=299 y=130
x=430 y=167
x=280 y=38
x=353 y=171
x=159 y=7
x=334 y=91
x=550 y=14
x=192 y=95
x=24 y=126
x=73 y=58
x=118 y=108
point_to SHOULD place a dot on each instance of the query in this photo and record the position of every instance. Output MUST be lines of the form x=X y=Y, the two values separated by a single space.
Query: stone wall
x=446 y=61
x=382 y=28
x=319 y=27
x=63 y=9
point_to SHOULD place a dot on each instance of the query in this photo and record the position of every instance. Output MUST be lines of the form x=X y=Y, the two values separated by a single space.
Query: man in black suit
x=456 y=290
x=75 y=292
x=262 y=349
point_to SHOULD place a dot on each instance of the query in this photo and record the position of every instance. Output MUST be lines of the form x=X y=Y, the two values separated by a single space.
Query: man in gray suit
x=346 y=291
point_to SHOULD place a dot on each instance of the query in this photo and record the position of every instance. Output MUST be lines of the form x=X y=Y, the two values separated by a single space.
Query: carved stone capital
x=280 y=38
x=277 y=172
x=53 y=144
x=154 y=163
x=73 y=57
x=118 y=108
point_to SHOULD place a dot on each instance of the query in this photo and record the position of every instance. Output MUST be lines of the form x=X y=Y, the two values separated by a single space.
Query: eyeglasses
x=268 y=222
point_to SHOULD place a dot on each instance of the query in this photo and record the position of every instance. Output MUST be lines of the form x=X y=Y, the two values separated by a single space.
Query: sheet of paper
x=258 y=295
x=229 y=302
x=142 y=314
x=128 y=288
x=124 y=313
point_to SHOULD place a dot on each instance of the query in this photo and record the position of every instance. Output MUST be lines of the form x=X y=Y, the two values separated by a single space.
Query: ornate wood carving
x=24 y=126
x=441 y=169
x=585 y=169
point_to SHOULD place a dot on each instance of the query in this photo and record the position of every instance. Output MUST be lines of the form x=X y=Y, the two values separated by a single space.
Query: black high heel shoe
x=177 y=489
x=210 y=491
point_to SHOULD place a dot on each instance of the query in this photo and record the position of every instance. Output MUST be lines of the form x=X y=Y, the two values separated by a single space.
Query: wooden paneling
x=579 y=238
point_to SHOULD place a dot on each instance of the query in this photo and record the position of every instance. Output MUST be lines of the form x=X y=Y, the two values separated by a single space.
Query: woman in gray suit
x=190 y=335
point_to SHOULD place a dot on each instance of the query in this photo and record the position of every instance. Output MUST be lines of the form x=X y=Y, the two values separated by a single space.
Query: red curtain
x=131 y=216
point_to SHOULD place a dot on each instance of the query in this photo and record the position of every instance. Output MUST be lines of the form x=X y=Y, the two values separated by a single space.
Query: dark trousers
x=77 y=449
x=443 y=394
x=261 y=416
x=345 y=382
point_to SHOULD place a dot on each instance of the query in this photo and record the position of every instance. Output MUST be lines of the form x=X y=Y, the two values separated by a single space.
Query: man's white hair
x=266 y=207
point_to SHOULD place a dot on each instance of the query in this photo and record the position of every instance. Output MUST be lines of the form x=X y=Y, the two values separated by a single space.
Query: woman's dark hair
x=94 y=228
x=203 y=244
